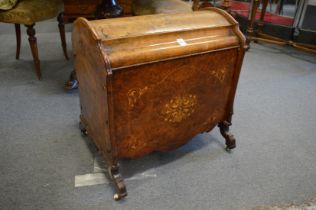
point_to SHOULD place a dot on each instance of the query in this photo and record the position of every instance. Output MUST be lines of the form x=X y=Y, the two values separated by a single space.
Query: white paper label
x=181 y=42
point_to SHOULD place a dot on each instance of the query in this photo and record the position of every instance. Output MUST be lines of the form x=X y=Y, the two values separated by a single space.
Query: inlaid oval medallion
x=179 y=108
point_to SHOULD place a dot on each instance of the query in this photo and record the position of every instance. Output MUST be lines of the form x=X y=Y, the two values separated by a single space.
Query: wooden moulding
x=151 y=83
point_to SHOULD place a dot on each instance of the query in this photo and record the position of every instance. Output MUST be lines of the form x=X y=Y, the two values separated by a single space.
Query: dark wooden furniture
x=151 y=83
x=91 y=9
x=87 y=9
x=147 y=7
x=256 y=33
x=29 y=12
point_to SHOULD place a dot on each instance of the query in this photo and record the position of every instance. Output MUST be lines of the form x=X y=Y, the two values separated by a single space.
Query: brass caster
x=116 y=197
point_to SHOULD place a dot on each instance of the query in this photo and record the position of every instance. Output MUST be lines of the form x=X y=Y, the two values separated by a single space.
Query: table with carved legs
x=90 y=9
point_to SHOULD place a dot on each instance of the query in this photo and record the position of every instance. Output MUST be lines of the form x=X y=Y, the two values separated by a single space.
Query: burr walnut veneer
x=151 y=83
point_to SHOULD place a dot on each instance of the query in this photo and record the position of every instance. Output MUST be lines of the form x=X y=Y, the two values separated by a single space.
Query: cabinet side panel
x=91 y=75
x=160 y=106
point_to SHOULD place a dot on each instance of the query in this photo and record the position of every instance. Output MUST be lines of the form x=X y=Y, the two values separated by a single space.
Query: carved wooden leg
x=61 y=26
x=113 y=170
x=33 y=44
x=118 y=181
x=251 y=22
x=18 y=40
x=230 y=139
x=263 y=13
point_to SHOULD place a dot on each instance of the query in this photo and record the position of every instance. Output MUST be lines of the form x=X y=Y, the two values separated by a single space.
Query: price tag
x=181 y=42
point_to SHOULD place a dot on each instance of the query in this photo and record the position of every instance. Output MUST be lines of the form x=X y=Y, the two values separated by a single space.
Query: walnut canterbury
x=152 y=83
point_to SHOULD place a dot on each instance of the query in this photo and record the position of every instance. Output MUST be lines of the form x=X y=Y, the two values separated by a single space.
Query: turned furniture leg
x=279 y=8
x=263 y=13
x=118 y=181
x=230 y=139
x=33 y=44
x=251 y=21
x=61 y=26
x=18 y=40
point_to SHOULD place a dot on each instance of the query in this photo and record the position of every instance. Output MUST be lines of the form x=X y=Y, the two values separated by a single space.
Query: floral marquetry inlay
x=219 y=74
x=134 y=95
x=179 y=108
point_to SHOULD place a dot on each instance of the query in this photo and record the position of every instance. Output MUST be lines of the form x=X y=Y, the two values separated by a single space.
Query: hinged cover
x=143 y=39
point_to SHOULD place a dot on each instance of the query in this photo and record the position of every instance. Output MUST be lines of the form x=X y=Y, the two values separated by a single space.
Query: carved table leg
x=118 y=181
x=230 y=139
x=262 y=15
x=251 y=22
x=33 y=44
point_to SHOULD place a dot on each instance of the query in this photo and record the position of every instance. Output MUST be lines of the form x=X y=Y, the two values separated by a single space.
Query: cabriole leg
x=230 y=139
x=118 y=181
x=251 y=21
x=113 y=170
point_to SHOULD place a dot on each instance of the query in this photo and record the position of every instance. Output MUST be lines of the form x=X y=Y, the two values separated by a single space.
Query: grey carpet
x=274 y=123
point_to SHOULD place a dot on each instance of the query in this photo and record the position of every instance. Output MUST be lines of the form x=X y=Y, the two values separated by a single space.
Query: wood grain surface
x=151 y=83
